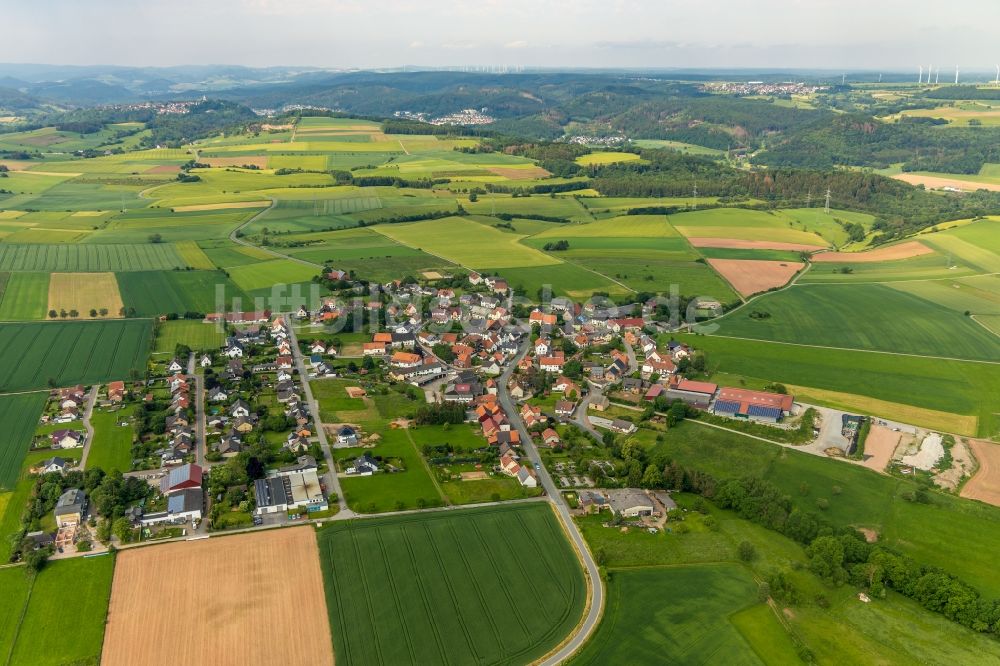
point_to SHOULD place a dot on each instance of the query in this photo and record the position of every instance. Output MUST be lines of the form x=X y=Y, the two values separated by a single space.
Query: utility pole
x=826 y=208
x=809 y=197
x=694 y=197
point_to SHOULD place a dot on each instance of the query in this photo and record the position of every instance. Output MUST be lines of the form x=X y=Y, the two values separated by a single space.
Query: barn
x=753 y=405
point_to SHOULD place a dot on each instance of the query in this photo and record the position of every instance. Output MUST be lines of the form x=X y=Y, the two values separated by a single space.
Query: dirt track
x=985 y=485
x=879 y=447
x=937 y=182
x=749 y=276
x=905 y=250
x=741 y=244
x=241 y=599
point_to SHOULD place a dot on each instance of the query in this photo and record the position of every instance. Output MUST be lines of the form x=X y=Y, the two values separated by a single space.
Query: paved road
x=88 y=411
x=332 y=482
x=633 y=364
x=596 y=607
x=581 y=419
x=234 y=237
x=200 y=439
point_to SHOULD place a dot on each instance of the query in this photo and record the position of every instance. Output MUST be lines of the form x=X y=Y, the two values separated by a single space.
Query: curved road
x=596 y=608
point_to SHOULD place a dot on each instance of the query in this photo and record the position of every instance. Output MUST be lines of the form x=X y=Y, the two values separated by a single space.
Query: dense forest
x=901 y=208
x=861 y=140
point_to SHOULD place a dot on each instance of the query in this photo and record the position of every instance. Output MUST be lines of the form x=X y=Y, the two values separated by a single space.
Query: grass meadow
x=956 y=534
x=685 y=615
x=112 y=446
x=82 y=584
x=192 y=333
x=497 y=585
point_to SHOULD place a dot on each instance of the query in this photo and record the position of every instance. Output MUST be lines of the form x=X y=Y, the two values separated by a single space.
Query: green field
x=192 y=333
x=19 y=416
x=85 y=258
x=955 y=534
x=872 y=317
x=26 y=297
x=628 y=226
x=975 y=244
x=266 y=274
x=958 y=387
x=497 y=585
x=43 y=354
x=747 y=225
x=828 y=621
x=925 y=267
x=383 y=492
x=689 y=148
x=677 y=615
x=607 y=157
x=112 y=445
x=467 y=243
x=153 y=293
x=47 y=633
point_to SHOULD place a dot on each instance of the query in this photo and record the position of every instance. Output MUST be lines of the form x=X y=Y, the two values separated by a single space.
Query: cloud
x=516 y=44
x=416 y=44
x=459 y=45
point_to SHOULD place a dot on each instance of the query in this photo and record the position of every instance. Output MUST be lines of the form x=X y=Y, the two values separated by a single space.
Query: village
x=452 y=399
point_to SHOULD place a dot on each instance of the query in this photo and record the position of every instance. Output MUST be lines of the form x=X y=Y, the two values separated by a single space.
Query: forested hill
x=860 y=140
x=901 y=208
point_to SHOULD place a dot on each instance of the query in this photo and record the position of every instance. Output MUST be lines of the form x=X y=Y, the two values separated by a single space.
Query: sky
x=829 y=34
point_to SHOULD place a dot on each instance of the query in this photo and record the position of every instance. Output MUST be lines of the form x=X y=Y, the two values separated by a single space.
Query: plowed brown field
x=241 y=599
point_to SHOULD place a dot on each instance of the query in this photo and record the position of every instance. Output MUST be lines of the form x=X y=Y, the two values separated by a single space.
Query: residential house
x=66 y=439
x=365 y=465
x=54 y=464
x=70 y=508
x=347 y=436
x=565 y=408
x=182 y=506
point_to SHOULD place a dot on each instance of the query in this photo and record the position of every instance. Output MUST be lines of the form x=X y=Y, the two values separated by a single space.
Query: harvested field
x=263 y=602
x=17 y=165
x=937 y=182
x=164 y=168
x=259 y=161
x=221 y=206
x=879 y=447
x=83 y=292
x=741 y=244
x=985 y=485
x=905 y=250
x=519 y=174
x=750 y=276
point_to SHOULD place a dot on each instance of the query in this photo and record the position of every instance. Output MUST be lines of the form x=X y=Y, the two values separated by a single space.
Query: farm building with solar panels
x=753 y=405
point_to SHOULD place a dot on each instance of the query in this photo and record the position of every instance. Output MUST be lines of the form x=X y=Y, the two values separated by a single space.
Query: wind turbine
x=997 y=82
x=920 y=76
x=956 y=75
x=937 y=75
